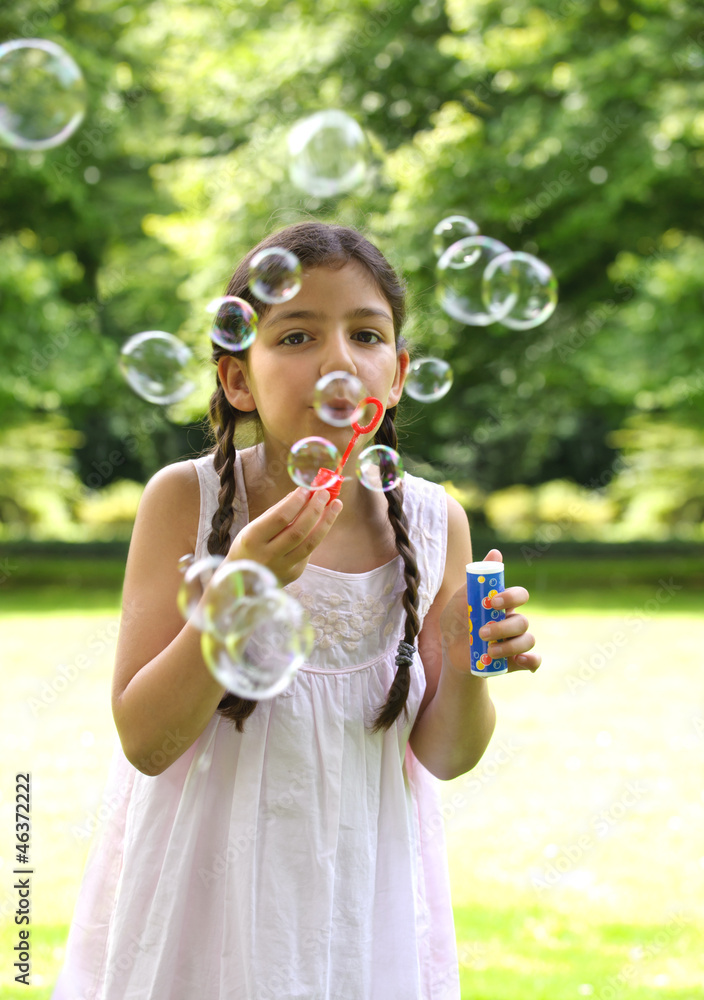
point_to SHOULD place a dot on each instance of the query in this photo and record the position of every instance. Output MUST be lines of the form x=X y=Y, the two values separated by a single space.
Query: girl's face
x=338 y=321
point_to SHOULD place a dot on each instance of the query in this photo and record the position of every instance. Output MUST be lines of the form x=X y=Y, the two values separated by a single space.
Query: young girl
x=289 y=848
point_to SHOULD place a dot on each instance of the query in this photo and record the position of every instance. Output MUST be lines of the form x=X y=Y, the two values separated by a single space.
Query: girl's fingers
x=317 y=533
x=525 y=661
x=299 y=530
x=274 y=524
x=512 y=597
x=512 y=647
x=512 y=625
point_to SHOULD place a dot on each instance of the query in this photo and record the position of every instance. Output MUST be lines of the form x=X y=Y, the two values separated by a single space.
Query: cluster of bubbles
x=339 y=400
x=482 y=281
x=254 y=635
x=42 y=94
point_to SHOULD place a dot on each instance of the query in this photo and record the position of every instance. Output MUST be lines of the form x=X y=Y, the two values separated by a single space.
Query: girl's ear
x=233 y=379
x=402 y=362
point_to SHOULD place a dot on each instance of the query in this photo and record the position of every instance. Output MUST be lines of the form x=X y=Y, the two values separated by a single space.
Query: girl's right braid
x=222 y=417
x=223 y=420
x=398 y=694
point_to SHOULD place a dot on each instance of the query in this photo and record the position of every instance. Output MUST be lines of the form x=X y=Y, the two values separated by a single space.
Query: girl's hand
x=515 y=641
x=284 y=537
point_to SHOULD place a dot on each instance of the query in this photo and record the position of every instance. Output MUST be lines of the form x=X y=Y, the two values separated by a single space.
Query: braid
x=223 y=419
x=398 y=695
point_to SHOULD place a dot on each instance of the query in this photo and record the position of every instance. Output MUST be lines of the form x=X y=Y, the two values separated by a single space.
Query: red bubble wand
x=330 y=479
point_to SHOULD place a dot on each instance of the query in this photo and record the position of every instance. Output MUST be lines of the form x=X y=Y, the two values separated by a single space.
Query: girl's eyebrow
x=360 y=313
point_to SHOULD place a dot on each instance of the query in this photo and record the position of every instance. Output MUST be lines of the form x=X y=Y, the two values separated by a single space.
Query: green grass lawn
x=575 y=847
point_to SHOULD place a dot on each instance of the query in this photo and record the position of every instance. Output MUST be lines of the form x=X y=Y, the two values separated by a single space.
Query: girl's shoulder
x=170 y=502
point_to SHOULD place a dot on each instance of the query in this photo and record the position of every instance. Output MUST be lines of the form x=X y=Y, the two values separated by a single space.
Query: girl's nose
x=337 y=355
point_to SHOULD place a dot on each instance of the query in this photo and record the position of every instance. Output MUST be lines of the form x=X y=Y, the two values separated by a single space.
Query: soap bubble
x=42 y=94
x=157 y=367
x=337 y=397
x=460 y=272
x=328 y=154
x=451 y=230
x=520 y=290
x=428 y=379
x=271 y=637
x=231 y=583
x=235 y=323
x=197 y=574
x=380 y=468
x=307 y=457
x=275 y=275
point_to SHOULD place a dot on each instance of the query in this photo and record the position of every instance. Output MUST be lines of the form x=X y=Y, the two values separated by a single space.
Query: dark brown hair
x=318 y=244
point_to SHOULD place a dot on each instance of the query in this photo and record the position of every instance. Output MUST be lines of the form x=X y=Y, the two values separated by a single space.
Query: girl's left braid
x=223 y=420
x=398 y=694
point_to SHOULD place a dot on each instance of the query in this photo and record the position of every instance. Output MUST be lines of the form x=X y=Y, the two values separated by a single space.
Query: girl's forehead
x=352 y=279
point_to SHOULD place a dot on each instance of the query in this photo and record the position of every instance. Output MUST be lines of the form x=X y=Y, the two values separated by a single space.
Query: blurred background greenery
x=571 y=130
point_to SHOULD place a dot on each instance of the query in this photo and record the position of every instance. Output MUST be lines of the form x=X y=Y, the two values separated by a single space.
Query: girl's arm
x=457 y=717
x=163 y=695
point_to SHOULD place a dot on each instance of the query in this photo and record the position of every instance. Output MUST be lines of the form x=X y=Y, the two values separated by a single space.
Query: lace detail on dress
x=348 y=622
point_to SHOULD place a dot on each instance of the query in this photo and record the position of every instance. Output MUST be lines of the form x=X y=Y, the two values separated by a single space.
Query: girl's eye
x=292 y=339
x=369 y=337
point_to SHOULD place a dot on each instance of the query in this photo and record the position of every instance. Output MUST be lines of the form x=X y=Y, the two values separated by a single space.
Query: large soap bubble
x=428 y=379
x=329 y=154
x=158 y=367
x=307 y=457
x=268 y=639
x=337 y=399
x=520 y=290
x=235 y=323
x=275 y=275
x=233 y=582
x=42 y=94
x=451 y=230
x=380 y=468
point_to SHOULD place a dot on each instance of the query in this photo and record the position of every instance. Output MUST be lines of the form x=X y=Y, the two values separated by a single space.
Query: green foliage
x=570 y=130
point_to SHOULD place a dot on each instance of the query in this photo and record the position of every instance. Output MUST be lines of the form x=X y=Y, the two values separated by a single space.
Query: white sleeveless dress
x=304 y=858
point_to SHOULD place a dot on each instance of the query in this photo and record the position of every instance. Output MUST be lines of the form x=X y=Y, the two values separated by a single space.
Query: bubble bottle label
x=484 y=581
